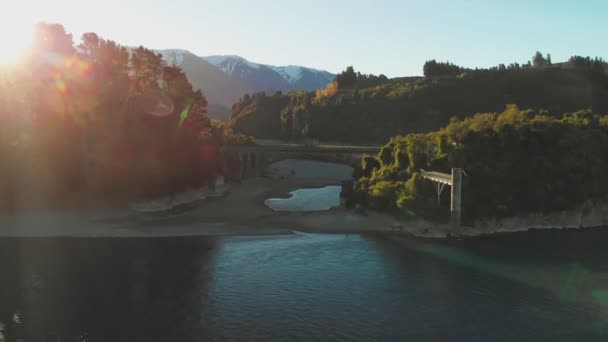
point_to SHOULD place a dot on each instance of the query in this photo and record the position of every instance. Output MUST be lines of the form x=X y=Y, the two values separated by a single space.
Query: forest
x=369 y=109
x=97 y=122
x=516 y=161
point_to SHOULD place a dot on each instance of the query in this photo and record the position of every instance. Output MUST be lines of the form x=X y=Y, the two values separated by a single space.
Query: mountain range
x=224 y=79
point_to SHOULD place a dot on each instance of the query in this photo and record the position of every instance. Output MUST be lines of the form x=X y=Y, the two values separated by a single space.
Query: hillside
x=371 y=109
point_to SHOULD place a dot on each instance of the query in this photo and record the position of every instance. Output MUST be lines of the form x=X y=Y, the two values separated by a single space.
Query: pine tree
x=538 y=60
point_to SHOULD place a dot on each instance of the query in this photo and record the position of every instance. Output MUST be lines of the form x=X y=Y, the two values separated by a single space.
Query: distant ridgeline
x=370 y=109
x=519 y=161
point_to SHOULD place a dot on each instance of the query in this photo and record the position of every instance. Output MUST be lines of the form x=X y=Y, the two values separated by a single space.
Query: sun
x=14 y=40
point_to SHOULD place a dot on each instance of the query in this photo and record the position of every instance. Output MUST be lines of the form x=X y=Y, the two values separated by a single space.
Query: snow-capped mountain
x=217 y=86
x=228 y=62
x=257 y=77
x=224 y=79
x=272 y=78
x=305 y=78
x=291 y=72
x=174 y=56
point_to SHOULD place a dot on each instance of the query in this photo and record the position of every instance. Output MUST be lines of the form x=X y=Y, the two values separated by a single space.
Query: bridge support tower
x=454 y=180
x=456 y=202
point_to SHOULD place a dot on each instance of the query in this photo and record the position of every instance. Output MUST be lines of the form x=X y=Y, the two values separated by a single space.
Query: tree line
x=433 y=68
x=371 y=109
x=98 y=121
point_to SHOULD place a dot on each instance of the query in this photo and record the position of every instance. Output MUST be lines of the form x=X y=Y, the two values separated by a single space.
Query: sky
x=391 y=37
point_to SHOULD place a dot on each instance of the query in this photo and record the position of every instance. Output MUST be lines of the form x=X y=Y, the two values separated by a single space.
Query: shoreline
x=228 y=229
x=190 y=224
x=241 y=211
x=333 y=221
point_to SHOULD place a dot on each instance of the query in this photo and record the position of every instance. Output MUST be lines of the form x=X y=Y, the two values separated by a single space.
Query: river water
x=307 y=199
x=541 y=286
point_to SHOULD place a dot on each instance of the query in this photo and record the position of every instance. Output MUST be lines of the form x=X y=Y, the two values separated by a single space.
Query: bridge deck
x=303 y=149
x=438 y=177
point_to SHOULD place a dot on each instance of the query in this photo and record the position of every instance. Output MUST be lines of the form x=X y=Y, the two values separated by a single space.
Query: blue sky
x=382 y=36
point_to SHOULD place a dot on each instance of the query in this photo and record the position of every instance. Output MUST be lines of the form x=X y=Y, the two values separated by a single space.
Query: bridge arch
x=351 y=160
x=254 y=159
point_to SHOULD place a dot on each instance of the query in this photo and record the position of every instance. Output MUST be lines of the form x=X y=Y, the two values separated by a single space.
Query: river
x=536 y=286
x=306 y=200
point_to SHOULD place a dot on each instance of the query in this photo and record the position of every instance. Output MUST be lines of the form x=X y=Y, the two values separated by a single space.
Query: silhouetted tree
x=434 y=68
x=539 y=60
x=147 y=66
x=347 y=77
x=81 y=110
x=52 y=38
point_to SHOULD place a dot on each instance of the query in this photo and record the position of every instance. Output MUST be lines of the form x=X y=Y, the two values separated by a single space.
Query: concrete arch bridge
x=254 y=159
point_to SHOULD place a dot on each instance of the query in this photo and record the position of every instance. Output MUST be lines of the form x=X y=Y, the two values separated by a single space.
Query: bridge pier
x=252 y=163
x=456 y=202
x=257 y=163
x=455 y=182
x=260 y=164
x=243 y=157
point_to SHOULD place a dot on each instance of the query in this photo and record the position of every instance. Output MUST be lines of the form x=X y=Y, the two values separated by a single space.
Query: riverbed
x=539 y=286
x=240 y=211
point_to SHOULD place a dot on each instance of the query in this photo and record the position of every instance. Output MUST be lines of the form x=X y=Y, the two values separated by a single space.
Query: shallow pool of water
x=315 y=199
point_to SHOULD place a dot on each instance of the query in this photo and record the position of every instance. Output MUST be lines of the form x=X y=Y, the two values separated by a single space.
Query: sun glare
x=13 y=42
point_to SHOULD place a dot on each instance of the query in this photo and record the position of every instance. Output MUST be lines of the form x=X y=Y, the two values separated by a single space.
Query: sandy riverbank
x=241 y=211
